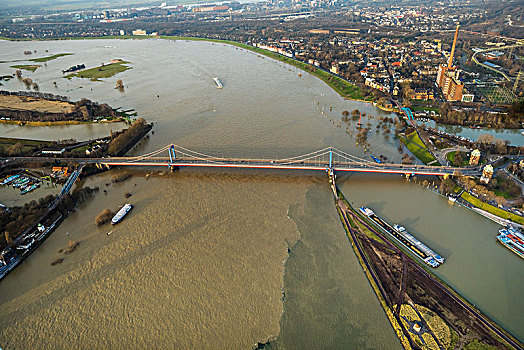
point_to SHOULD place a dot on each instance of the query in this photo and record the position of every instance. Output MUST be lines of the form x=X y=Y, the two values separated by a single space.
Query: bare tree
x=120 y=85
x=8 y=238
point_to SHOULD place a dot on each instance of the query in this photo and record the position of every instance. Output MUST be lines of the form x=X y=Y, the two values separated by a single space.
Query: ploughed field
x=39 y=105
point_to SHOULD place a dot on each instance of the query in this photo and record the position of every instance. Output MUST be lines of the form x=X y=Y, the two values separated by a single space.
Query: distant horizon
x=72 y=5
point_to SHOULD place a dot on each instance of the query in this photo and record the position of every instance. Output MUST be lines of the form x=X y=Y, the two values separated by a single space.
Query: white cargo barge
x=406 y=239
x=218 y=82
x=121 y=213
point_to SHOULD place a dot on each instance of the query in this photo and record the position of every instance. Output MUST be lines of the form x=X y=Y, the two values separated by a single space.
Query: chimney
x=450 y=62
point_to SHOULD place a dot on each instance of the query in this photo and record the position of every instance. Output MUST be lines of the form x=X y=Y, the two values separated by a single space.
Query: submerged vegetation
x=104 y=217
x=29 y=67
x=49 y=58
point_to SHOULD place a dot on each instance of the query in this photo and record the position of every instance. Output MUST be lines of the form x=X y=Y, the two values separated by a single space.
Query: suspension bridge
x=329 y=158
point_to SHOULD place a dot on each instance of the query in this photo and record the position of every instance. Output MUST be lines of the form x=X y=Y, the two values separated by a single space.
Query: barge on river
x=406 y=239
x=219 y=83
x=121 y=213
x=13 y=255
x=512 y=239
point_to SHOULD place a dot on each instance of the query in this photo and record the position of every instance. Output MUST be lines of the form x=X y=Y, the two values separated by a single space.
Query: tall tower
x=450 y=62
x=447 y=76
x=475 y=157
x=487 y=173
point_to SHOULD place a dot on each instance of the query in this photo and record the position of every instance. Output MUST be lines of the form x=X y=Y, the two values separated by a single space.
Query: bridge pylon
x=172 y=157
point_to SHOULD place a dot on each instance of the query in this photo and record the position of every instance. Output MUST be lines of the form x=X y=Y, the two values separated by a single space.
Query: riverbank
x=44 y=109
x=60 y=122
x=404 y=283
x=343 y=87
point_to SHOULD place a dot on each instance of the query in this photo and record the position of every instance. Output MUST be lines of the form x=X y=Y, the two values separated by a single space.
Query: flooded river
x=204 y=255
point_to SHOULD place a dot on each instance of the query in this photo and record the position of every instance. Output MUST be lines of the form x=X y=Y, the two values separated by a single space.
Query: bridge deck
x=298 y=165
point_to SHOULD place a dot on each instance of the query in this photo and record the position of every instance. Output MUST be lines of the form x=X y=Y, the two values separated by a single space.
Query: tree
x=8 y=238
x=120 y=85
x=15 y=149
x=500 y=146
x=486 y=139
x=457 y=161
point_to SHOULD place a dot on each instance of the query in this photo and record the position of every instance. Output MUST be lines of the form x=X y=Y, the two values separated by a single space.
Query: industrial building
x=448 y=78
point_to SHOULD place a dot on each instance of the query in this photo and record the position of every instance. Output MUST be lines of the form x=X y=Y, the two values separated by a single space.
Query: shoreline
x=281 y=58
x=57 y=123
x=318 y=72
x=369 y=266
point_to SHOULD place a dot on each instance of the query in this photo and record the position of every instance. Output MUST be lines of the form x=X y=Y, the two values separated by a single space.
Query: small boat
x=9 y=179
x=22 y=182
x=452 y=199
x=219 y=83
x=121 y=213
x=376 y=159
x=29 y=189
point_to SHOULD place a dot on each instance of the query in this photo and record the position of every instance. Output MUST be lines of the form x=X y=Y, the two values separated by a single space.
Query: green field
x=29 y=67
x=101 y=72
x=417 y=147
x=465 y=158
x=26 y=145
x=498 y=94
x=49 y=58
x=424 y=108
x=491 y=209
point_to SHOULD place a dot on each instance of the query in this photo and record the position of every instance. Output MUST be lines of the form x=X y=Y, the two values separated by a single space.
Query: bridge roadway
x=283 y=164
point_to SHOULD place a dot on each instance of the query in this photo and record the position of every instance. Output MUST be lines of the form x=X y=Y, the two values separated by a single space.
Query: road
x=443 y=154
x=340 y=165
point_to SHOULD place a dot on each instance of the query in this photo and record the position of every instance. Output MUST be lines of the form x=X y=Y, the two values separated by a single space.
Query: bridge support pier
x=332 y=177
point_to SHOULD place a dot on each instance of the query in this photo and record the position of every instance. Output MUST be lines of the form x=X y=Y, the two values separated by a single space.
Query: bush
x=105 y=216
x=121 y=177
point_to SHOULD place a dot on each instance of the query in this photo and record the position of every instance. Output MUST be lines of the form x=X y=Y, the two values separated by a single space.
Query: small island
x=114 y=67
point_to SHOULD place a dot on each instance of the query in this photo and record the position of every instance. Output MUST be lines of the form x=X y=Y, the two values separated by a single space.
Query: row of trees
x=129 y=135
x=477 y=117
x=83 y=110
x=36 y=94
x=17 y=219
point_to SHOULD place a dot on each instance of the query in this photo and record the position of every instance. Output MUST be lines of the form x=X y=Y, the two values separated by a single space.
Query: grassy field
x=26 y=145
x=101 y=72
x=451 y=157
x=29 y=67
x=417 y=147
x=491 y=209
x=49 y=58
x=424 y=108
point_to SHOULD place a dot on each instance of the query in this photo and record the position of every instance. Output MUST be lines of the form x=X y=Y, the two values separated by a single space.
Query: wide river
x=228 y=259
